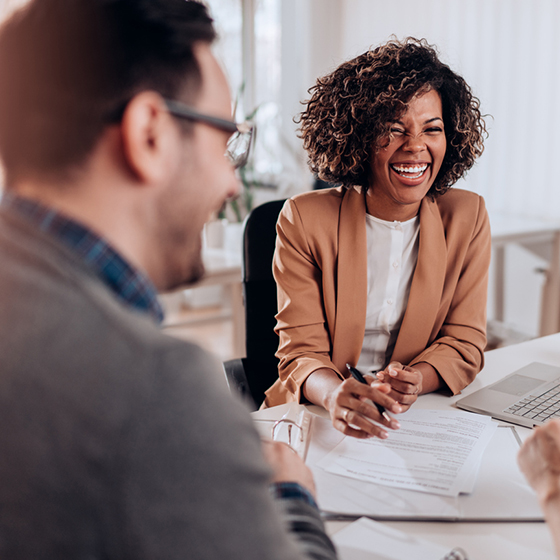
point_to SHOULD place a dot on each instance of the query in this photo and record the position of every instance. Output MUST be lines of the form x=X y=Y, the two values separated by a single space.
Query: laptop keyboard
x=538 y=407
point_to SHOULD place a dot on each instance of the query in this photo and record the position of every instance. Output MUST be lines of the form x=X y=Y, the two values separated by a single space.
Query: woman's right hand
x=352 y=412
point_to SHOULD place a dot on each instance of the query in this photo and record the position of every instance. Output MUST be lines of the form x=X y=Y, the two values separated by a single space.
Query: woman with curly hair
x=388 y=271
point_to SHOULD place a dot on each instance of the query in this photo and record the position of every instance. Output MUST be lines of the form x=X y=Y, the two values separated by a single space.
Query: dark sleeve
x=302 y=519
x=196 y=483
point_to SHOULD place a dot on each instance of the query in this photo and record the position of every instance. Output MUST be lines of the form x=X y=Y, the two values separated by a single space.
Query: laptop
x=529 y=396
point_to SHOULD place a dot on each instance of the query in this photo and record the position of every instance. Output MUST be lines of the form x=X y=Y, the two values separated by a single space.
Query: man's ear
x=149 y=138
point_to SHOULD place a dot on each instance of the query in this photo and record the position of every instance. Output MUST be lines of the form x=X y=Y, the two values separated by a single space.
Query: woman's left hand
x=405 y=382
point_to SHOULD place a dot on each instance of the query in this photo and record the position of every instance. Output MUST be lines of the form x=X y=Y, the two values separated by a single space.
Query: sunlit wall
x=509 y=52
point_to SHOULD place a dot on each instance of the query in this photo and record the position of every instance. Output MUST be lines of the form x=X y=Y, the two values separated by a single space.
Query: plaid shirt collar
x=129 y=284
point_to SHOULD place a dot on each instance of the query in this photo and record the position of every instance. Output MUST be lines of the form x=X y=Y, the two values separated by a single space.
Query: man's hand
x=287 y=465
x=539 y=460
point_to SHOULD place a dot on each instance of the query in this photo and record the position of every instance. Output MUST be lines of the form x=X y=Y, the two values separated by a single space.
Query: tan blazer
x=320 y=267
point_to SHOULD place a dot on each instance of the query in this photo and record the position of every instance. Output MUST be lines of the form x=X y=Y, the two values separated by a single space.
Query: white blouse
x=392 y=254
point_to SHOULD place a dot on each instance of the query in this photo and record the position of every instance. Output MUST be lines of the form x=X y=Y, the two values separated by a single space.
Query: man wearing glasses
x=117 y=441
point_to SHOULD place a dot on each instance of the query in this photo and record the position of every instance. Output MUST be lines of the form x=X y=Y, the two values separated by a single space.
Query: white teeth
x=412 y=169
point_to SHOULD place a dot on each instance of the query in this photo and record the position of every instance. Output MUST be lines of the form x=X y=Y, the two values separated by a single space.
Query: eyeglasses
x=282 y=431
x=238 y=146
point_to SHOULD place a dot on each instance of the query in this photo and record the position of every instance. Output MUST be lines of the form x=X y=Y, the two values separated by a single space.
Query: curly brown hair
x=351 y=109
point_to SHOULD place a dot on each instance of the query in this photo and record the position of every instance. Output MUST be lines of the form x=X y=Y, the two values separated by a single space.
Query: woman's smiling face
x=404 y=171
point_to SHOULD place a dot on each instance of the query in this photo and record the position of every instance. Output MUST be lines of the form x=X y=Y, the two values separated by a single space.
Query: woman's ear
x=150 y=138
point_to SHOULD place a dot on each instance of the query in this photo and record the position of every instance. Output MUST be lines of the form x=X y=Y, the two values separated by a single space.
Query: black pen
x=357 y=374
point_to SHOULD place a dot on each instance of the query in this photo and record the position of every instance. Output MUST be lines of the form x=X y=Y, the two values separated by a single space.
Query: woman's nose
x=414 y=143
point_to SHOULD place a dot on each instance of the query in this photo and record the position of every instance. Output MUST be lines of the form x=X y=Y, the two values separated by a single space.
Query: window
x=249 y=48
x=228 y=19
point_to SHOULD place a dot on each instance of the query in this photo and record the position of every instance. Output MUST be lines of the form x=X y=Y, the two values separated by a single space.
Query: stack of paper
x=367 y=540
x=434 y=451
x=355 y=488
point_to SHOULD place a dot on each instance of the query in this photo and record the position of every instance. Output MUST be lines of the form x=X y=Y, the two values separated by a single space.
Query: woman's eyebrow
x=425 y=122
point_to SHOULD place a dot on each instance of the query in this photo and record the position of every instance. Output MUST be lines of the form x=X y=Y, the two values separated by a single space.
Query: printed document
x=368 y=540
x=434 y=451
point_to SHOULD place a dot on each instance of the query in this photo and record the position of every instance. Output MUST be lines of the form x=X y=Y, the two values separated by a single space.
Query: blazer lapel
x=427 y=286
x=351 y=281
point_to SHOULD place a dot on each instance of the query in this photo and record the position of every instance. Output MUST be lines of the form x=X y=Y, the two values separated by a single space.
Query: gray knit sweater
x=117 y=441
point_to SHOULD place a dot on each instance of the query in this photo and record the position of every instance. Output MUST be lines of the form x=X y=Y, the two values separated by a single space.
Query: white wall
x=311 y=46
x=509 y=52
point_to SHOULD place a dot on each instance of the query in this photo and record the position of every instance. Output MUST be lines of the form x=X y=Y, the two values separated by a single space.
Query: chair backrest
x=259 y=289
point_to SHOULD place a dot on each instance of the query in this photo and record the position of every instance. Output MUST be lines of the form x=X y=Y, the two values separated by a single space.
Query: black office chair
x=252 y=375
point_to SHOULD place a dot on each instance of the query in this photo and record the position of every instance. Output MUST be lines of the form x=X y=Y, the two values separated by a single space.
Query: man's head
x=68 y=69
x=82 y=104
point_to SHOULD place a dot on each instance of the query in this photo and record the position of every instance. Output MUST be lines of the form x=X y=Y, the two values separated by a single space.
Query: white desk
x=223 y=268
x=499 y=363
x=468 y=535
x=541 y=238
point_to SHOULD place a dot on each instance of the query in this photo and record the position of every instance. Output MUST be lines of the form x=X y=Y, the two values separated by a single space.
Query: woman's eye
x=434 y=130
x=397 y=131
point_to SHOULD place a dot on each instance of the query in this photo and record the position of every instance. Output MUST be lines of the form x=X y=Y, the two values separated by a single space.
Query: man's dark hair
x=69 y=67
